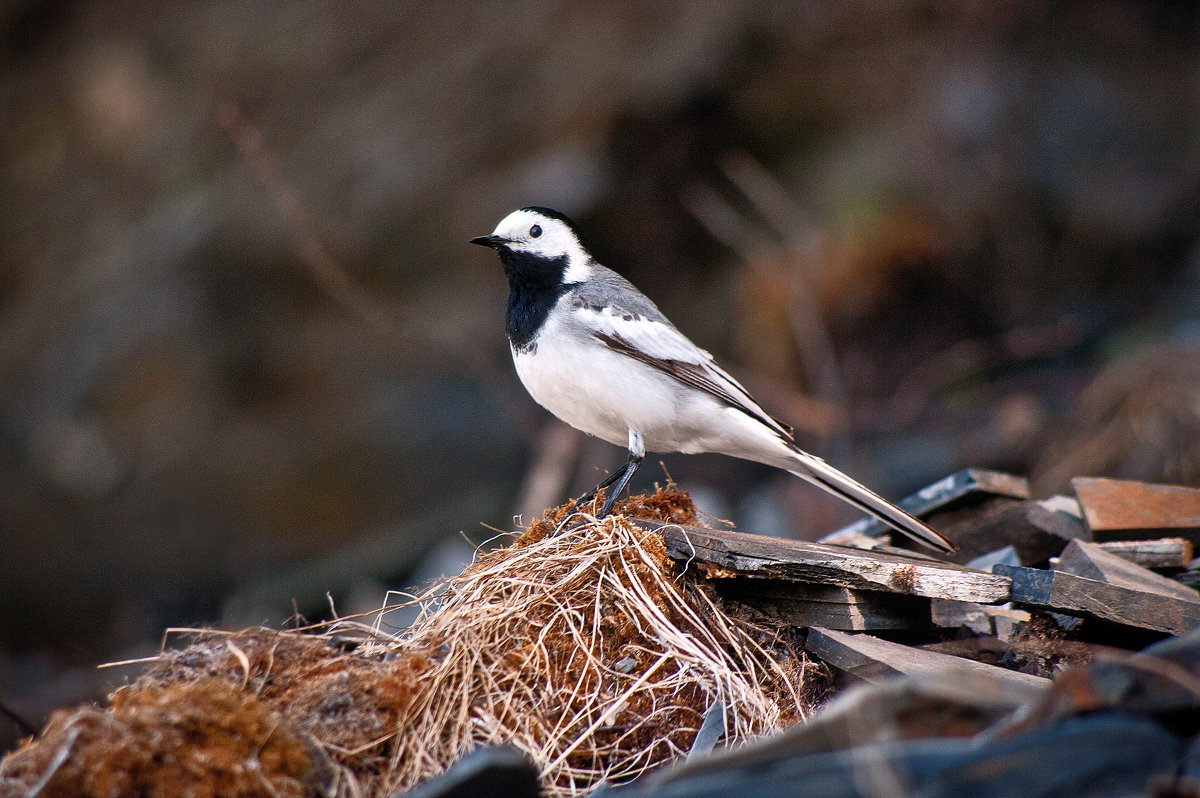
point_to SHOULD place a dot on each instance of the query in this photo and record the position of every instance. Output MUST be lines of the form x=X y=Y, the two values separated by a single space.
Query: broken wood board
x=970 y=484
x=1034 y=532
x=979 y=619
x=1164 y=553
x=798 y=561
x=1062 y=592
x=1116 y=509
x=874 y=659
x=960 y=615
x=797 y=604
x=1092 y=562
x=1066 y=525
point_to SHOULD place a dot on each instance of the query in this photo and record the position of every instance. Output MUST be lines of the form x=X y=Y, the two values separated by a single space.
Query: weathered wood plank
x=1114 y=508
x=498 y=770
x=1092 y=562
x=873 y=659
x=793 y=560
x=864 y=714
x=984 y=562
x=1067 y=593
x=1035 y=532
x=798 y=604
x=1059 y=515
x=960 y=615
x=979 y=619
x=966 y=485
x=1165 y=553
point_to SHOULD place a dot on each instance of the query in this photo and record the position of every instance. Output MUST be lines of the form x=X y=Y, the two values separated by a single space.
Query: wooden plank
x=873 y=659
x=1070 y=594
x=979 y=619
x=984 y=562
x=1164 y=553
x=970 y=484
x=1046 y=516
x=903 y=708
x=960 y=615
x=1092 y=562
x=797 y=561
x=1147 y=682
x=1121 y=509
x=779 y=602
x=1035 y=532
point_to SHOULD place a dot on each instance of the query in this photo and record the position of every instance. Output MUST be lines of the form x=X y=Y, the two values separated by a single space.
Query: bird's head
x=532 y=236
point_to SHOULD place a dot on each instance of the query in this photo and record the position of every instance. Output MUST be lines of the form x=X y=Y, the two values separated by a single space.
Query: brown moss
x=204 y=738
x=356 y=710
x=349 y=702
x=667 y=504
x=1041 y=647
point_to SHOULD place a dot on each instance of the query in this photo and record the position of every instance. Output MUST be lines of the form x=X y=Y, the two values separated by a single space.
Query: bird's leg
x=637 y=451
x=608 y=480
x=622 y=479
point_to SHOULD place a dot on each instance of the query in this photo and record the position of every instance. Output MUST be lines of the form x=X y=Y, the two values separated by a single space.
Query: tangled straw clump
x=584 y=650
x=588 y=649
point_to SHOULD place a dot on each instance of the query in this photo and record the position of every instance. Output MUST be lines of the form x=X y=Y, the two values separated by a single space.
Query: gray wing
x=626 y=321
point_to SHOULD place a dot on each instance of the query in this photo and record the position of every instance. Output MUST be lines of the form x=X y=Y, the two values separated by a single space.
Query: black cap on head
x=552 y=214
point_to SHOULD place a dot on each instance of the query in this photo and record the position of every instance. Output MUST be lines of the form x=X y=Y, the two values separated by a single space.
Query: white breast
x=594 y=389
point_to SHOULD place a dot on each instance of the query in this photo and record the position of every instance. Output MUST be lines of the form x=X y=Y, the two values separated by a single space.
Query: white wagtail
x=594 y=351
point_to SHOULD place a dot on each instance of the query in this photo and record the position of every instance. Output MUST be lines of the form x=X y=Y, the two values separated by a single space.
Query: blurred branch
x=267 y=167
x=789 y=234
x=770 y=199
x=802 y=244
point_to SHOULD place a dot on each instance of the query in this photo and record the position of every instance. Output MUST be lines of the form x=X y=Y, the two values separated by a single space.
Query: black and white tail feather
x=593 y=350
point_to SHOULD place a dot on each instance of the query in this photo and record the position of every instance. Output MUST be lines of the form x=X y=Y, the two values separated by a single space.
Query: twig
x=267 y=167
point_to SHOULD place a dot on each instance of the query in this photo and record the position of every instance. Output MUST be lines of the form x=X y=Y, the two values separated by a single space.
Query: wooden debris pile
x=1057 y=652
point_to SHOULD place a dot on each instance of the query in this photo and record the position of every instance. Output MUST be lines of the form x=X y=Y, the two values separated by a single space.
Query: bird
x=597 y=353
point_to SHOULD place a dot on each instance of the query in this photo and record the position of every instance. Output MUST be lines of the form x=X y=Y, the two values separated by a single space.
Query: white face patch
x=530 y=231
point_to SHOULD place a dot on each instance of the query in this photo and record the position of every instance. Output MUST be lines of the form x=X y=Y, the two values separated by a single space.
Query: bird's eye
x=535 y=231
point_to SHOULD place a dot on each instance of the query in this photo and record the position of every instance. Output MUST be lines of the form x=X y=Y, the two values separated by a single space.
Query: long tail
x=820 y=473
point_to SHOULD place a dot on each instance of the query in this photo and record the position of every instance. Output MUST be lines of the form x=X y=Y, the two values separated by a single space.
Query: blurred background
x=249 y=366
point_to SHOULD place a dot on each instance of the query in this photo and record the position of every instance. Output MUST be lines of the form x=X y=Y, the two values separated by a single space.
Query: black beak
x=495 y=242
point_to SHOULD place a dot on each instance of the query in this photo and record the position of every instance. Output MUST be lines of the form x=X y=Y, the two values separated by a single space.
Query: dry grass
x=586 y=648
